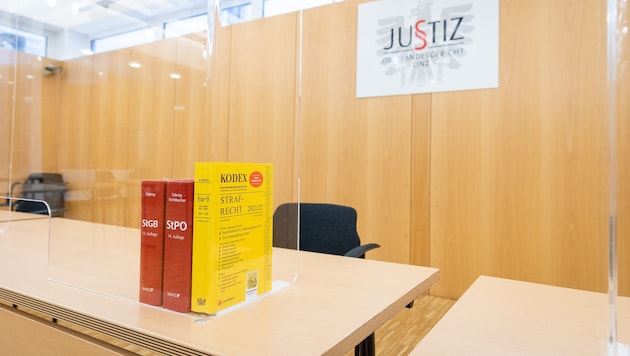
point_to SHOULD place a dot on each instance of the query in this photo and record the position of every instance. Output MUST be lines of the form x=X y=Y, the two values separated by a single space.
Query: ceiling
x=95 y=18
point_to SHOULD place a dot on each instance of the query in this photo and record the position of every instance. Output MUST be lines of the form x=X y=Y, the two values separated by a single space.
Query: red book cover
x=152 y=241
x=178 y=244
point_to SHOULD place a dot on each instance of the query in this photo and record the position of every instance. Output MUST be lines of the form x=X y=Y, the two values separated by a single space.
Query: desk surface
x=334 y=304
x=506 y=317
x=7 y=215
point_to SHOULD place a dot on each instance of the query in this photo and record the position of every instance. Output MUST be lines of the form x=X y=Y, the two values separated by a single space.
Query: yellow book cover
x=232 y=235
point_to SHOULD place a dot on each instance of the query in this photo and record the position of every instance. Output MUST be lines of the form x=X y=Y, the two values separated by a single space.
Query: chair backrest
x=325 y=228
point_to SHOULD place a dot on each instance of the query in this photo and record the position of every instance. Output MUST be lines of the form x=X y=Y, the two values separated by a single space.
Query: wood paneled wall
x=354 y=152
x=519 y=174
x=510 y=181
x=262 y=97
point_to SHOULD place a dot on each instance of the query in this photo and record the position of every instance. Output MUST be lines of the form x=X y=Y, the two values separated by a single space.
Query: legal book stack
x=166 y=243
x=206 y=243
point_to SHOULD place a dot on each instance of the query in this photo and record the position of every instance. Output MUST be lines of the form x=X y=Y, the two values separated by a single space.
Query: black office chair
x=48 y=187
x=325 y=228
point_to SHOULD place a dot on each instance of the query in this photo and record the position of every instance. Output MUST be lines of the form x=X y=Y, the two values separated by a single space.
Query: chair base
x=367 y=347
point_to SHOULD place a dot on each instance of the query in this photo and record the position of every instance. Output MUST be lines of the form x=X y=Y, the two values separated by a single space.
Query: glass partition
x=24 y=237
x=619 y=199
x=120 y=93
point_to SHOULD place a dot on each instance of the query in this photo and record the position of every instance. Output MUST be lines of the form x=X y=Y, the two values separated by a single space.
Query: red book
x=152 y=241
x=178 y=244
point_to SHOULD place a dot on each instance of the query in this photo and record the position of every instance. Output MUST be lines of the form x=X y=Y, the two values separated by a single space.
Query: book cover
x=178 y=230
x=151 y=241
x=232 y=238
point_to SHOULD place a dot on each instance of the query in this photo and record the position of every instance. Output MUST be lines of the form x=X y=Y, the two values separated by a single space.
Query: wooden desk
x=334 y=304
x=24 y=334
x=506 y=317
x=7 y=215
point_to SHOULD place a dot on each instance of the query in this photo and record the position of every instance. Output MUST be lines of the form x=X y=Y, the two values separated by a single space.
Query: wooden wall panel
x=111 y=94
x=28 y=125
x=74 y=114
x=74 y=137
x=110 y=137
x=219 y=59
x=151 y=126
x=262 y=97
x=518 y=173
x=151 y=110
x=191 y=126
x=356 y=152
x=421 y=180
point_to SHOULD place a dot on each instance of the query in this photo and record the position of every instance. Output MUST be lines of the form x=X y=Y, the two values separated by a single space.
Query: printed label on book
x=152 y=241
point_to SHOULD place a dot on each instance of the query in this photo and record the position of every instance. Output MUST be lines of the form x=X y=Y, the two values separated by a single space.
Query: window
x=236 y=14
x=126 y=39
x=23 y=41
x=278 y=7
x=232 y=12
x=193 y=24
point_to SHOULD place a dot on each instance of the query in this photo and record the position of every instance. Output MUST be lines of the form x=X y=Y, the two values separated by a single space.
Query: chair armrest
x=360 y=251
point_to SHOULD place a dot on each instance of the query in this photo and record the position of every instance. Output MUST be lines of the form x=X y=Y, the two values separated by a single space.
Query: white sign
x=422 y=46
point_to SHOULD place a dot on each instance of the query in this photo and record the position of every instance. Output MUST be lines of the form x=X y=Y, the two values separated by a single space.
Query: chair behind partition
x=48 y=187
x=324 y=228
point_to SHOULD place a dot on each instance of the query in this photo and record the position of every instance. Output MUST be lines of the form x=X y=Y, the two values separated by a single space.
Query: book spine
x=178 y=245
x=204 y=255
x=152 y=241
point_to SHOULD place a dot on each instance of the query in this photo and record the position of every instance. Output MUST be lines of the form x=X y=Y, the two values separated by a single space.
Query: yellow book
x=232 y=234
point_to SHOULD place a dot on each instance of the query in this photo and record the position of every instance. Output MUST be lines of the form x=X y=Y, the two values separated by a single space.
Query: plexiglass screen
x=619 y=170
x=104 y=98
